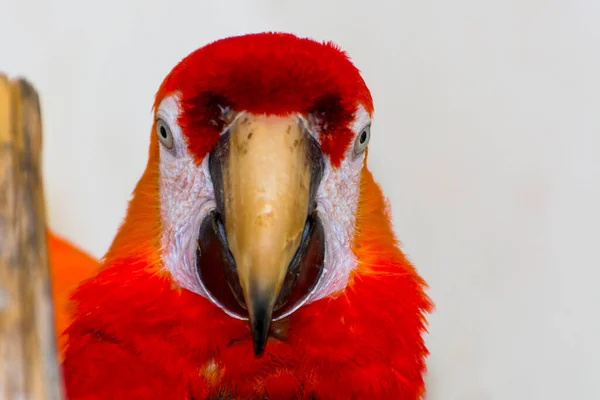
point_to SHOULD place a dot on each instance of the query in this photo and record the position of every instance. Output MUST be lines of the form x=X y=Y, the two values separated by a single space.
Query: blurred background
x=486 y=140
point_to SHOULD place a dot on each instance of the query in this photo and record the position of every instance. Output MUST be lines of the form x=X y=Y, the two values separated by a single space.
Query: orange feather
x=69 y=267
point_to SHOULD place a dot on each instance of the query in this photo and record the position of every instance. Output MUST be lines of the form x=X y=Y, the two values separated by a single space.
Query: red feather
x=270 y=73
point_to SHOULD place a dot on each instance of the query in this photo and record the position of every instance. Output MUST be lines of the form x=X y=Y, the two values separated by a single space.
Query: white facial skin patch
x=337 y=203
x=187 y=197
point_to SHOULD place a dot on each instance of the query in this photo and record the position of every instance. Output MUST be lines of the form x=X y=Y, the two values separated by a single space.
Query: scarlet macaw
x=257 y=257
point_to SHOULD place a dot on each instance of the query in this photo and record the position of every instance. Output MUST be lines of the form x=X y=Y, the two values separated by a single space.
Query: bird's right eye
x=164 y=133
x=362 y=140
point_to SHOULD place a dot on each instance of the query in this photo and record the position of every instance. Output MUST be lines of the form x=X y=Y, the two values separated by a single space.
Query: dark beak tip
x=259 y=348
x=260 y=335
x=261 y=323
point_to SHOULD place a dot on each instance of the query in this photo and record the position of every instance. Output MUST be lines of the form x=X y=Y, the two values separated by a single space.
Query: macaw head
x=251 y=193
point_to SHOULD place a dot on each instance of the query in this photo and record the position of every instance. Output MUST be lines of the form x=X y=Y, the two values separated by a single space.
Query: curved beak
x=265 y=173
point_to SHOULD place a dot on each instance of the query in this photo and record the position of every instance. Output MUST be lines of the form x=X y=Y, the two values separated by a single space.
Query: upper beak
x=267 y=184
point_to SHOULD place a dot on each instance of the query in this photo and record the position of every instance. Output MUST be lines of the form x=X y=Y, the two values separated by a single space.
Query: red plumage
x=135 y=335
x=272 y=73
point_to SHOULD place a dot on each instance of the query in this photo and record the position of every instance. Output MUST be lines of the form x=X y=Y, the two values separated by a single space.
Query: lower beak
x=267 y=184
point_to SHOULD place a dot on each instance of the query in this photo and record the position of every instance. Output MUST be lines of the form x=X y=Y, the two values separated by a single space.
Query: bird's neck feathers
x=375 y=243
x=139 y=235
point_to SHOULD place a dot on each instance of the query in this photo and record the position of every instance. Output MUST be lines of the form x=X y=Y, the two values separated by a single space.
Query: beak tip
x=259 y=348
x=262 y=311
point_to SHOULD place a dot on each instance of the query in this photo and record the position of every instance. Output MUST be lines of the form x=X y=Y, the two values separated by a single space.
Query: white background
x=486 y=140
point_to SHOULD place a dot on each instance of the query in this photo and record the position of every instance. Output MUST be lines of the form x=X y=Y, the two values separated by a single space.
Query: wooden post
x=28 y=356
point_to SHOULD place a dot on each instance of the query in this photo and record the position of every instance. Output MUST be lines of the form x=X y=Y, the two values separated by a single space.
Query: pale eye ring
x=362 y=140
x=164 y=133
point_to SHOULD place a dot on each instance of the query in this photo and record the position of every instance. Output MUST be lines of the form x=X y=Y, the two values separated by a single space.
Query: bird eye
x=164 y=133
x=362 y=140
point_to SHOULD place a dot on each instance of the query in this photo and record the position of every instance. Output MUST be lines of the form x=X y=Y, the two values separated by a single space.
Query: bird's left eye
x=362 y=140
x=164 y=133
